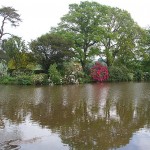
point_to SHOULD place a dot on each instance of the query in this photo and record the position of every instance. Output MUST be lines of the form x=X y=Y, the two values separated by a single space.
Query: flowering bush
x=99 y=72
x=38 y=79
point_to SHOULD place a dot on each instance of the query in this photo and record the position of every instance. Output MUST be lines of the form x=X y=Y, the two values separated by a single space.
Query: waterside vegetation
x=92 y=43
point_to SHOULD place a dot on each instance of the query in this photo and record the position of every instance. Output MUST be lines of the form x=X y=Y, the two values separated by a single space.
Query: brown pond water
x=104 y=116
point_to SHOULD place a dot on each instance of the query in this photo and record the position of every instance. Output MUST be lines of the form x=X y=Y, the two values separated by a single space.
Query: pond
x=101 y=116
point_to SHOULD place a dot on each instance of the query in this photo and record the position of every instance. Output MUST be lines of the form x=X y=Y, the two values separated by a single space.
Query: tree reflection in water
x=92 y=116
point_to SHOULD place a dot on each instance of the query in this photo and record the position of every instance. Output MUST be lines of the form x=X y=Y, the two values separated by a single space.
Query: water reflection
x=92 y=116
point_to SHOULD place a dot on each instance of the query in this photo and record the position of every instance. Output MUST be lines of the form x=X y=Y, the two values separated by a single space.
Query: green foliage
x=3 y=68
x=71 y=68
x=83 y=22
x=117 y=73
x=138 y=75
x=39 y=79
x=67 y=68
x=130 y=76
x=146 y=65
x=3 y=56
x=54 y=74
x=15 y=49
x=102 y=30
x=84 y=78
x=120 y=39
x=24 y=80
x=7 y=80
x=121 y=73
x=21 y=72
x=89 y=29
x=51 y=48
x=145 y=47
x=74 y=70
x=146 y=76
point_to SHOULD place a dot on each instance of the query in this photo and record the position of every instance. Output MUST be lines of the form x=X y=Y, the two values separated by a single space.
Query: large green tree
x=51 y=48
x=8 y=15
x=84 y=21
x=121 y=37
x=101 y=30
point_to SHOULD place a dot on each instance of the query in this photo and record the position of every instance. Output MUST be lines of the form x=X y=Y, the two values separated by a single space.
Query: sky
x=38 y=16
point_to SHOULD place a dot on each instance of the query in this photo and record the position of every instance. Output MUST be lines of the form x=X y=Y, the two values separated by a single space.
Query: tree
x=51 y=48
x=8 y=14
x=121 y=37
x=84 y=23
x=145 y=46
x=95 y=27
x=15 y=50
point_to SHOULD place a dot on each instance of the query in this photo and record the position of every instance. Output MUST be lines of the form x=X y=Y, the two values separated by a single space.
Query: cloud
x=39 y=16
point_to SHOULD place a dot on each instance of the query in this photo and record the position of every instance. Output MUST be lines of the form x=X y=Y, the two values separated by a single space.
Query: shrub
x=146 y=76
x=99 y=72
x=23 y=80
x=130 y=76
x=71 y=68
x=54 y=74
x=117 y=73
x=138 y=75
x=7 y=80
x=85 y=79
x=68 y=68
x=39 y=79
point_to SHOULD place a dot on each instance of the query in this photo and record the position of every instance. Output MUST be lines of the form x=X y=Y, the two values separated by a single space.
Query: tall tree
x=95 y=27
x=8 y=15
x=84 y=21
x=121 y=37
x=51 y=48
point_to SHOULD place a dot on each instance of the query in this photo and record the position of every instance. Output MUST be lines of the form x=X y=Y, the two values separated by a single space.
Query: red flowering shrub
x=99 y=72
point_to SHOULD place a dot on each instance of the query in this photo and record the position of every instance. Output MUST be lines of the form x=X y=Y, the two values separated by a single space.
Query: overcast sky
x=38 y=16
